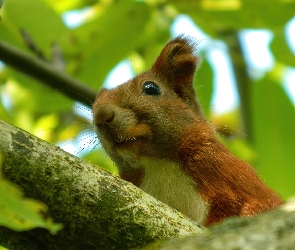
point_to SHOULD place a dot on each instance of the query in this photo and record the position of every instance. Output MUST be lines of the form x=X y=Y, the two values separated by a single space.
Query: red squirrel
x=154 y=130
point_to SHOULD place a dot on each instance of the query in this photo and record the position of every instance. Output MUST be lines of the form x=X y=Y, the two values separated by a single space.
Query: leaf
x=62 y=6
x=204 y=86
x=280 y=49
x=273 y=128
x=213 y=17
x=43 y=24
x=19 y=213
x=27 y=93
x=101 y=159
x=106 y=40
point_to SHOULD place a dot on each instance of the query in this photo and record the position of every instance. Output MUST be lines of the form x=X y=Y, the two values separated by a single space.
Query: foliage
x=112 y=31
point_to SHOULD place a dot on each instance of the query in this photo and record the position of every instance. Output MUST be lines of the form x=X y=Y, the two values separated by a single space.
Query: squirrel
x=153 y=128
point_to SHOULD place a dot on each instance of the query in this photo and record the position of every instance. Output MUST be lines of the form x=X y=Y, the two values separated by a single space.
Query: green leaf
x=204 y=86
x=62 y=6
x=106 y=40
x=19 y=213
x=280 y=49
x=37 y=18
x=101 y=159
x=216 y=15
x=28 y=93
x=274 y=133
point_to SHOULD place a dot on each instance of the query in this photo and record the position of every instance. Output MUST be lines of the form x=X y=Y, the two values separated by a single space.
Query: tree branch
x=46 y=73
x=272 y=230
x=98 y=210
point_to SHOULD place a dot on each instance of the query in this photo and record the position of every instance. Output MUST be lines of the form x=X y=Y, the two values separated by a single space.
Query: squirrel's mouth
x=133 y=135
x=119 y=139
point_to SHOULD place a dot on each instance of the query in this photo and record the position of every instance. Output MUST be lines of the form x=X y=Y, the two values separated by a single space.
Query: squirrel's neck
x=167 y=182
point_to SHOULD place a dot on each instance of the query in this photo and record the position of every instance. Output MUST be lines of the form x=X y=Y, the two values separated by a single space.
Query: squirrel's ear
x=177 y=64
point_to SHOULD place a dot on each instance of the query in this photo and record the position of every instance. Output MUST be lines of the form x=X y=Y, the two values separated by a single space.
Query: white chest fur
x=167 y=182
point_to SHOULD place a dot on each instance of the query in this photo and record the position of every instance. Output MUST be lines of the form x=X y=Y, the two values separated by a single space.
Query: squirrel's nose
x=104 y=115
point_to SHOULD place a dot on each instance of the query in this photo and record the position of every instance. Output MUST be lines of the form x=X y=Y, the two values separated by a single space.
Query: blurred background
x=246 y=82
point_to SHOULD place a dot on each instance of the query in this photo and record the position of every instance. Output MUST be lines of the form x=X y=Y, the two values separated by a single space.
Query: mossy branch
x=98 y=210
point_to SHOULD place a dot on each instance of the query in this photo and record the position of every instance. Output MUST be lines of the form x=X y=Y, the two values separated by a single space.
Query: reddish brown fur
x=229 y=184
x=134 y=127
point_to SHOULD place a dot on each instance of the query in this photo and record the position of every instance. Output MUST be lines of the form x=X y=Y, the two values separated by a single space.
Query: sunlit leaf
x=61 y=6
x=45 y=125
x=204 y=86
x=19 y=213
x=280 y=49
x=274 y=133
x=101 y=159
x=43 y=24
x=237 y=14
x=29 y=94
x=1 y=3
x=107 y=40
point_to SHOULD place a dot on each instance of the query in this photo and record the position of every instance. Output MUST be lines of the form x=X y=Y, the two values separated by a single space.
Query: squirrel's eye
x=150 y=88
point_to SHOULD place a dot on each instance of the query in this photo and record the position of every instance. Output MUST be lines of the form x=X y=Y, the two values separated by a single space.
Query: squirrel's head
x=148 y=115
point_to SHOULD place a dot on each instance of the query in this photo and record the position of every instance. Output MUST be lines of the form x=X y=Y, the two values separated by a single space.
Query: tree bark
x=98 y=210
x=272 y=230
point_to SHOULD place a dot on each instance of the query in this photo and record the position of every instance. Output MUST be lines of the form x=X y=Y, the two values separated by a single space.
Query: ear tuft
x=177 y=64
